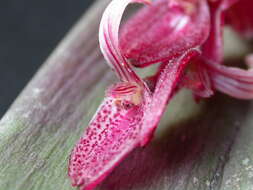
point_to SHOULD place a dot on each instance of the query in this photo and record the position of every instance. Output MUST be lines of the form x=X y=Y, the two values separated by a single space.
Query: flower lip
x=114 y=130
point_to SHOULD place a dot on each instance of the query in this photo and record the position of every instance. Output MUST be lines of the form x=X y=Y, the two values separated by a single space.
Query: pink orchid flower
x=185 y=38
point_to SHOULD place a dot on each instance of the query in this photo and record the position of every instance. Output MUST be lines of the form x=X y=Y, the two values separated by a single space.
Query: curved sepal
x=109 y=40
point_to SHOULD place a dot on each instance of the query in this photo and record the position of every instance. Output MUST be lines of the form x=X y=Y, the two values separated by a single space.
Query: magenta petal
x=164 y=90
x=240 y=16
x=235 y=82
x=164 y=30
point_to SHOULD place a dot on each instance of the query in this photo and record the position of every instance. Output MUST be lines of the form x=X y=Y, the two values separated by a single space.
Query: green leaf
x=206 y=146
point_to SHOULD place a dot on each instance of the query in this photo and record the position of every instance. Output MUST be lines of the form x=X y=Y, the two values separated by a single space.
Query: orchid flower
x=130 y=111
x=185 y=38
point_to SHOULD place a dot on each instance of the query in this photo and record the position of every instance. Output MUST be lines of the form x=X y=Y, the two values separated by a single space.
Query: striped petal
x=109 y=41
x=233 y=81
